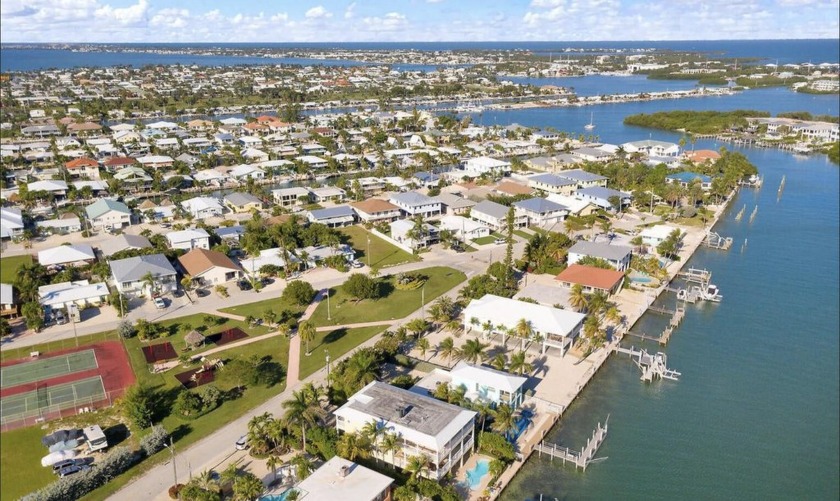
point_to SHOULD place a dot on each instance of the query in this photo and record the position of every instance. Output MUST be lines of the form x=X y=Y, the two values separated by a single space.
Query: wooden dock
x=652 y=366
x=715 y=241
x=677 y=316
x=696 y=275
x=581 y=459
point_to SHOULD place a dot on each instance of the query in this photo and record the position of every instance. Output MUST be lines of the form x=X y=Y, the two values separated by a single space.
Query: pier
x=715 y=241
x=581 y=459
x=652 y=366
x=677 y=316
x=696 y=275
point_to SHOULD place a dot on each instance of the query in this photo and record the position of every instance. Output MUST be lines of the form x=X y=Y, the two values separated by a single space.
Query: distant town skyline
x=414 y=20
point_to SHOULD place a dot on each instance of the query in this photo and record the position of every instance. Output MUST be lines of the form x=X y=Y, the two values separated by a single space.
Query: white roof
x=67 y=292
x=358 y=483
x=201 y=203
x=487 y=162
x=66 y=254
x=487 y=376
x=11 y=218
x=268 y=256
x=311 y=159
x=458 y=223
x=574 y=204
x=208 y=174
x=7 y=294
x=186 y=235
x=49 y=185
x=503 y=311
x=660 y=231
x=155 y=159
x=233 y=121
x=244 y=170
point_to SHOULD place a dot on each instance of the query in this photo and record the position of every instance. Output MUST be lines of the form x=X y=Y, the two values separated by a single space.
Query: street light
x=327 y=357
x=171 y=448
x=328 y=305
x=368 y=251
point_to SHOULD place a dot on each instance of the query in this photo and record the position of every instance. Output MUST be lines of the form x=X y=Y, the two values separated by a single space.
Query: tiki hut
x=194 y=339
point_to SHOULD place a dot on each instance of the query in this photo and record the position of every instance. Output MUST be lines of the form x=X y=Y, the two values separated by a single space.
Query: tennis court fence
x=60 y=410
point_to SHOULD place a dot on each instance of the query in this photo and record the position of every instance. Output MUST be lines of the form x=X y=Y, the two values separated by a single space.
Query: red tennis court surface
x=196 y=377
x=157 y=352
x=227 y=336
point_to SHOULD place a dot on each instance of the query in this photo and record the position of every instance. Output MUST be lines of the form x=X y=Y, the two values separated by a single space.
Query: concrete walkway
x=328 y=328
x=293 y=372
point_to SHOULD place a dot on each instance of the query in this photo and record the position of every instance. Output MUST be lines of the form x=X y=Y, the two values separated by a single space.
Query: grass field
x=382 y=253
x=9 y=266
x=258 y=308
x=338 y=342
x=396 y=304
x=525 y=235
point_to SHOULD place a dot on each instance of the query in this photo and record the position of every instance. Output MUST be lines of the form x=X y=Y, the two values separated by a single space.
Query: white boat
x=710 y=293
x=590 y=125
x=682 y=294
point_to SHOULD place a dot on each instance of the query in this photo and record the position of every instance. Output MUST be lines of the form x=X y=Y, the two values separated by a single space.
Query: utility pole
x=368 y=250
x=423 y=302
x=329 y=317
x=327 y=352
x=171 y=448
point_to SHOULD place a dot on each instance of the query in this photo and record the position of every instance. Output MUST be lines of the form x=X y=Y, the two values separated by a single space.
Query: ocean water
x=755 y=414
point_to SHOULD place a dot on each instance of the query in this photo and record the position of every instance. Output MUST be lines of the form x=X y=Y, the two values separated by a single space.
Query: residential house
x=313 y=162
x=66 y=223
x=401 y=230
x=67 y=255
x=652 y=148
x=314 y=255
x=243 y=202
x=413 y=204
x=442 y=432
x=244 y=172
x=512 y=189
x=131 y=275
x=555 y=327
x=82 y=168
x=495 y=216
x=452 y=204
x=106 y=213
x=327 y=194
x=655 y=235
x=275 y=257
x=618 y=256
x=287 y=197
x=230 y=233
x=685 y=179
x=81 y=293
x=475 y=167
x=374 y=210
x=576 y=206
x=11 y=222
x=123 y=242
x=601 y=197
x=133 y=177
x=592 y=154
x=479 y=383
x=9 y=303
x=333 y=217
x=583 y=179
x=463 y=228
x=202 y=207
x=591 y=279
x=196 y=238
x=209 y=267
x=54 y=186
x=339 y=478
x=541 y=212
x=552 y=183
x=156 y=161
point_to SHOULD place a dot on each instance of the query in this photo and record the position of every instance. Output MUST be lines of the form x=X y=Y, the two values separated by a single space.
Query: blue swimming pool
x=522 y=424
x=641 y=279
x=474 y=476
x=277 y=497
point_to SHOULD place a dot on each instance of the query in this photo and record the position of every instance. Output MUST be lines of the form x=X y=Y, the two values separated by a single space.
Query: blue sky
x=413 y=20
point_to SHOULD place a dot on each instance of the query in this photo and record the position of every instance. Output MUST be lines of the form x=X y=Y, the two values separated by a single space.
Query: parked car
x=499 y=241
x=159 y=304
x=242 y=443
x=356 y=264
x=70 y=470
x=59 y=317
x=57 y=467
x=244 y=285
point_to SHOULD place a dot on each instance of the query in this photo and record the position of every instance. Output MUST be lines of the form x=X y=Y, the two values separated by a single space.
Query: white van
x=95 y=438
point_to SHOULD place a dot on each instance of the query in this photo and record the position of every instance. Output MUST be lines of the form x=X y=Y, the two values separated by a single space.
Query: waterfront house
x=575 y=205
x=66 y=223
x=313 y=162
x=374 y=210
x=123 y=242
x=402 y=228
x=339 y=478
x=54 y=186
x=287 y=197
x=202 y=207
x=273 y=257
x=541 y=212
x=495 y=216
x=655 y=235
x=685 y=179
x=592 y=279
x=333 y=217
x=327 y=194
x=413 y=204
x=11 y=222
x=81 y=293
x=208 y=267
x=452 y=204
x=475 y=167
x=652 y=148
x=701 y=156
x=211 y=177
x=196 y=238
x=443 y=432
x=130 y=275
x=618 y=256
x=583 y=179
x=156 y=161
x=242 y=202
x=133 y=177
x=592 y=154
x=555 y=327
x=463 y=228
x=106 y=213
x=68 y=255
x=552 y=183
x=601 y=196
x=479 y=383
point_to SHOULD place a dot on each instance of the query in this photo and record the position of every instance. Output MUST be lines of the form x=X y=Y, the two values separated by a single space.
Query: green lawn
x=9 y=266
x=338 y=342
x=526 y=236
x=258 y=308
x=382 y=253
x=20 y=462
x=397 y=304
x=489 y=239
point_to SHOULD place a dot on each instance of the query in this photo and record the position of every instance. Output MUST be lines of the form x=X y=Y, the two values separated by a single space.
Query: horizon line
x=432 y=41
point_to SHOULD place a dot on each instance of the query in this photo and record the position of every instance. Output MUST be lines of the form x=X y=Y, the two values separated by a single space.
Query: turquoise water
x=641 y=279
x=474 y=476
x=277 y=497
x=755 y=414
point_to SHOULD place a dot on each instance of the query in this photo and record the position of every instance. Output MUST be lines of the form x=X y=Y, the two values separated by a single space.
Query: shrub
x=360 y=286
x=322 y=442
x=137 y=405
x=126 y=329
x=187 y=405
x=78 y=485
x=403 y=381
x=299 y=292
x=497 y=446
x=154 y=441
x=211 y=397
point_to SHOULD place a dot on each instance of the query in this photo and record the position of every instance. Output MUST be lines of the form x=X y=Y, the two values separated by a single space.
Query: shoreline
x=600 y=356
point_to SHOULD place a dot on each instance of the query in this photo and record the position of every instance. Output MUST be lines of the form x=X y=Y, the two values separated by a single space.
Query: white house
x=71 y=255
x=541 y=212
x=552 y=183
x=209 y=267
x=413 y=203
x=342 y=215
x=583 y=179
x=313 y=255
x=601 y=197
x=655 y=235
x=11 y=222
x=616 y=255
x=480 y=383
x=557 y=328
x=474 y=167
x=274 y=257
x=652 y=148
x=130 y=275
x=424 y=426
x=327 y=194
x=464 y=228
x=375 y=209
x=195 y=238
x=339 y=478
x=286 y=197
x=495 y=215
x=81 y=293
x=107 y=213
x=402 y=228
x=202 y=207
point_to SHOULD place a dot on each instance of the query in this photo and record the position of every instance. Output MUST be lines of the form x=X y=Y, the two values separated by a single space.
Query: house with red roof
x=592 y=279
x=83 y=167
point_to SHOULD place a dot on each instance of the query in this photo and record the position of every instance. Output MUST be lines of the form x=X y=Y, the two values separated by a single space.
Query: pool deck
x=461 y=476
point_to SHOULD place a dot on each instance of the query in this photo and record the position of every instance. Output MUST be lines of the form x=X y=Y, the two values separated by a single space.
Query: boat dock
x=652 y=366
x=581 y=459
x=677 y=316
x=715 y=241
x=696 y=275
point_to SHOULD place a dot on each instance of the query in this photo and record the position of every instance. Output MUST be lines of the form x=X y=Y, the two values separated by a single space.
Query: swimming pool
x=640 y=279
x=277 y=497
x=474 y=476
x=521 y=425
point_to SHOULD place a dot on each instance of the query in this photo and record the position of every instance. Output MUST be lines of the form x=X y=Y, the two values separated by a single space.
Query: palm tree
x=488 y=328
x=229 y=474
x=473 y=350
x=613 y=315
x=422 y=345
x=306 y=331
x=483 y=409
x=363 y=368
x=302 y=411
x=577 y=299
x=149 y=281
x=247 y=487
x=416 y=465
x=499 y=362
x=303 y=466
x=447 y=349
x=353 y=446
x=598 y=302
x=272 y=462
x=390 y=443
x=524 y=331
x=504 y=419
x=592 y=326
x=205 y=481
x=519 y=363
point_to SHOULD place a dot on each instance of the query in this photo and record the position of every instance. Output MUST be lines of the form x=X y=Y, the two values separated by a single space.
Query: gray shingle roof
x=241 y=199
x=539 y=205
x=601 y=250
x=552 y=180
x=134 y=268
x=492 y=209
x=105 y=205
x=331 y=212
x=581 y=175
x=411 y=199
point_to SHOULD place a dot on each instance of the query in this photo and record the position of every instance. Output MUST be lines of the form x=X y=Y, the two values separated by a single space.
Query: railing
x=57 y=411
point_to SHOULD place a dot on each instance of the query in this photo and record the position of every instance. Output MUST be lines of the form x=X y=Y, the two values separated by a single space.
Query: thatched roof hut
x=194 y=339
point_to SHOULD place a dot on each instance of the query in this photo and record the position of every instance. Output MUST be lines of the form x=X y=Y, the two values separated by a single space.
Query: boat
x=709 y=293
x=590 y=125
x=682 y=294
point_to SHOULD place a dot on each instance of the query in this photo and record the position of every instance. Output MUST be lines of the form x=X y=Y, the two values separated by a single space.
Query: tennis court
x=87 y=390
x=47 y=368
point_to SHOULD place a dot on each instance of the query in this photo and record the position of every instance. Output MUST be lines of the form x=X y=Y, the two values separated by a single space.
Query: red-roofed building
x=701 y=156
x=592 y=279
x=83 y=167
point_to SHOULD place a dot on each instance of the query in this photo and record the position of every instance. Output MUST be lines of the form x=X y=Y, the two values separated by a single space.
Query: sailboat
x=590 y=125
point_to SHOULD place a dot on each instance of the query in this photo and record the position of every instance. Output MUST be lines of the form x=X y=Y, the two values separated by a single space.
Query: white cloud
x=126 y=15
x=318 y=12
x=350 y=11
x=391 y=21
x=170 y=18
